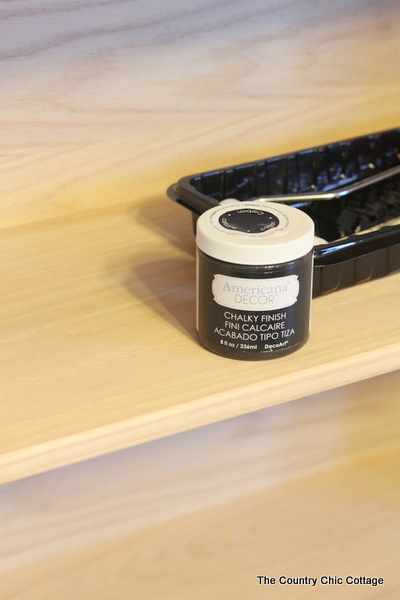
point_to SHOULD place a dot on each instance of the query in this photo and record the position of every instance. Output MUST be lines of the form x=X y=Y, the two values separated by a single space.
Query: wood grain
x=99 y=350
x=305 y=488
x=105 y=102
x=324 y=524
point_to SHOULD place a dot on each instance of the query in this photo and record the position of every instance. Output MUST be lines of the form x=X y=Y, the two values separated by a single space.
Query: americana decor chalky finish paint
x=254 y=279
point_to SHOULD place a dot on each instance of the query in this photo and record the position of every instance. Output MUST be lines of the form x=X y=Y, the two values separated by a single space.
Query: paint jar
x=254 y=279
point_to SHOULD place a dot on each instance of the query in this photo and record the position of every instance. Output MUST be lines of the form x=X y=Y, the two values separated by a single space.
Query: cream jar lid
x=255 y=233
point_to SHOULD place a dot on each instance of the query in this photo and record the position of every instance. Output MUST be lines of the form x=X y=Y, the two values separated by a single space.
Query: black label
x=248 y=220
x=251 y=334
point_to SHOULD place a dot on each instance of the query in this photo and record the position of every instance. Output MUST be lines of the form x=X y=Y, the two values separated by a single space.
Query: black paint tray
x=351 y=189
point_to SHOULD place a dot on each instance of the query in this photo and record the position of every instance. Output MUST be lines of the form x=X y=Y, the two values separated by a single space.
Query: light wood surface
x=103 y=105
x=99 y=349
x=327 y=524
x=108 y=102
x=305 y=488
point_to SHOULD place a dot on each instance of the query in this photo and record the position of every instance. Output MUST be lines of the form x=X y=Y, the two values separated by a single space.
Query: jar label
x=255 y=294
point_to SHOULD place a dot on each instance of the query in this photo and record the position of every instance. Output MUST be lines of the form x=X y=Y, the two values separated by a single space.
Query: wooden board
x=103 y=105
x=99 y=349
x=330 y=524
x=108 y=102
x=308 y=488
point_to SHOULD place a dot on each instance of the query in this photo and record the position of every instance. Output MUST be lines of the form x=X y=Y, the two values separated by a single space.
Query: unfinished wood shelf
x=99 y=349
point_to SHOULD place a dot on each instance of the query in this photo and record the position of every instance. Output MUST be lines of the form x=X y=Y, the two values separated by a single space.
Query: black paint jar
x=254 y=279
